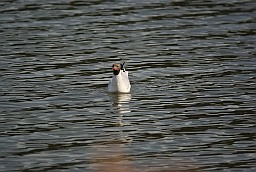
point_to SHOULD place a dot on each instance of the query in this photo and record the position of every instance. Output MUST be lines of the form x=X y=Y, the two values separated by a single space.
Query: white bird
x=119 y=82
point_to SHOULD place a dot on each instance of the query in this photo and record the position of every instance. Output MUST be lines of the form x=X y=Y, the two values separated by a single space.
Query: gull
x=119 y=83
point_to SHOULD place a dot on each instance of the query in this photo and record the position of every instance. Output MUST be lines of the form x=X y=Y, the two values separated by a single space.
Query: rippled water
x=192 y=70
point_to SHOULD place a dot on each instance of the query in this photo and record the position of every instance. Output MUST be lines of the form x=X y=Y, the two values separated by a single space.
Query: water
x=192 y=69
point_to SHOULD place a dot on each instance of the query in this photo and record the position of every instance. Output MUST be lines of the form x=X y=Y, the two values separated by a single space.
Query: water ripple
x=192 y=69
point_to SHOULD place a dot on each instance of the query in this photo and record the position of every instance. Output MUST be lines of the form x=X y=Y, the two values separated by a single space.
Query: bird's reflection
x=120 y=103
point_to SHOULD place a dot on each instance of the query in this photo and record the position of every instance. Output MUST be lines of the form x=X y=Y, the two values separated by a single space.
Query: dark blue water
x=192 y=69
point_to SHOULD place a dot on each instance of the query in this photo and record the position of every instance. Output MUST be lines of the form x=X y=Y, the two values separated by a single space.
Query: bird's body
x=120 y=81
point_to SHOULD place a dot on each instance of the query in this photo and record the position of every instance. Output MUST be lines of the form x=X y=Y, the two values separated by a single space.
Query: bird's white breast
x=120 y=83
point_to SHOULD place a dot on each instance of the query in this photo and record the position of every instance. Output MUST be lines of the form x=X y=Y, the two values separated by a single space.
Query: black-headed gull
x=119 y=82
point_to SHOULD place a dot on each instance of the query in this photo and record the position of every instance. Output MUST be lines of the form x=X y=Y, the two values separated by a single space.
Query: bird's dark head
x=116 y=67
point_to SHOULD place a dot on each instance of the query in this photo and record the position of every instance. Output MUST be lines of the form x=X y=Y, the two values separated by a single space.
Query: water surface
x=192 y=69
